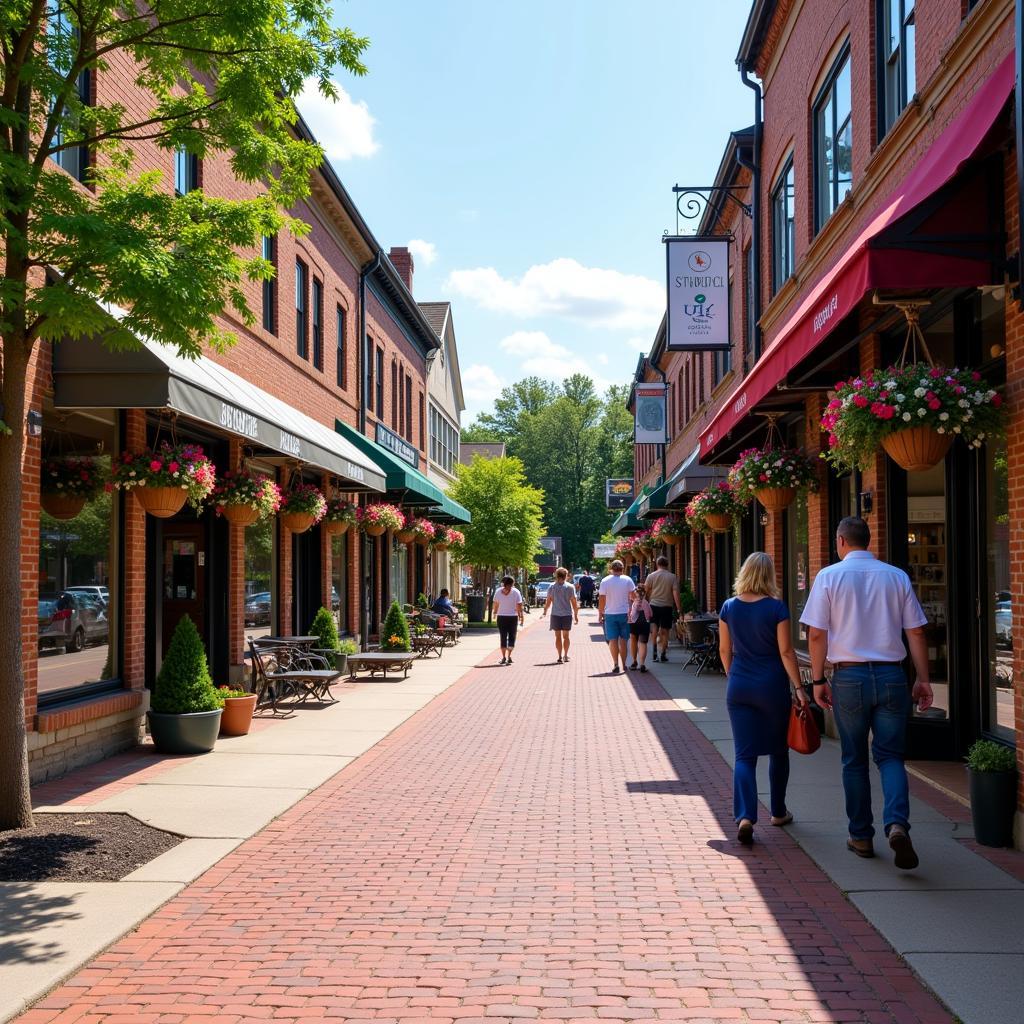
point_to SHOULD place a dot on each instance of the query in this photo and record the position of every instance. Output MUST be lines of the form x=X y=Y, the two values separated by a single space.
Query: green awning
x=409 y=485
x=452 y=512
x=629 y=521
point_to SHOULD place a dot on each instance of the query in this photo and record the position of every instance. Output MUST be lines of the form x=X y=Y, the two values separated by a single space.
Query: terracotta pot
x=62 y=506
x=239 y=515
x=917 y=448
x=718 y=522
x=374 y=531
x=335 y=528
x=405 y=536
x=297 y=522
x=775 y=499
x=441 y=547
x=237 y=715
x=162 y=502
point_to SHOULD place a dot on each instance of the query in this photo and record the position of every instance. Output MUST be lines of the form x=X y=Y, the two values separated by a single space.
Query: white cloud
x=564 y=287
x=425 y=252
x=539 y=356
x=640 y=344
x=480 y=386
x=344 y=128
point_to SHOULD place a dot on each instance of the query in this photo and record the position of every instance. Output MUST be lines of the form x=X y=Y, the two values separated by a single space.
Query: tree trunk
x=15 y=799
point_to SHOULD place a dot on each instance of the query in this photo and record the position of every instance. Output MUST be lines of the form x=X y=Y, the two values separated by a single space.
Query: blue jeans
x=873 y=697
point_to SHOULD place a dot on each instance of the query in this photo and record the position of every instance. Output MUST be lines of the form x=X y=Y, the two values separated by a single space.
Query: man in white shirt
x=508 y=610
x=858 y=611
x=613 y=597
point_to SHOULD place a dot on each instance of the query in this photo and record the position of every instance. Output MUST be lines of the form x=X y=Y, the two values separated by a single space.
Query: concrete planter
x=184 y=734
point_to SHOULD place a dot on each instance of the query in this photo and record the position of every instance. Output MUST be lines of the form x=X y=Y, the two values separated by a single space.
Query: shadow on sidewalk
x=24 y=910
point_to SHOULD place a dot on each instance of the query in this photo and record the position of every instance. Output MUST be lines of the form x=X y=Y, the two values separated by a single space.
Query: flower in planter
x=869 y=408
x=340 y=510
x=388 y=516
x=179 y=465
x=423 y=528
x=240 y=487
x=759 y=469
x=718 y=499
x=304 y=498
x=670 y=528
x=456 y=539
x=77 y=476
x=229 y=692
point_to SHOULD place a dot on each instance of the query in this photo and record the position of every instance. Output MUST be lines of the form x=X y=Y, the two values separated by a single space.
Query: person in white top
x=508 y=610
x=613 y=598
x=858 y=611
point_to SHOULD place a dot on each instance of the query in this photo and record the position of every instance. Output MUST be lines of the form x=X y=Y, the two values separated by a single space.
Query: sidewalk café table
x=381 y=661
x=425 y=644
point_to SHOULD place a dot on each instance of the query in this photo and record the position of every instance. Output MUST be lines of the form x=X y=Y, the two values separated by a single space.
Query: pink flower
x=997 y=400
x=975 y=375
x=763 y=476
x=173 y=467
x=860 y=401
x=156 y=465
x=934 y=404
x=832 y=440
x=935 y=372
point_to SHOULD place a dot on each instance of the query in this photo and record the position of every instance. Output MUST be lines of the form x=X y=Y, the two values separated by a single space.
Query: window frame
x=380 y=384
x=186 y=171
x=783 y=241
x=269 y=252
x=895 y=64
x=75 y=159
x=301 y=309
x=340 y=347
x=826 y=98
x=317 y=323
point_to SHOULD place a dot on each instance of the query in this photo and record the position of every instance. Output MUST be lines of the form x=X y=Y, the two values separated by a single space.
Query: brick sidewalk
x=543 y=842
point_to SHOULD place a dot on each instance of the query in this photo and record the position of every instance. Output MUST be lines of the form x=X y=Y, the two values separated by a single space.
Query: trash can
x=476 y=607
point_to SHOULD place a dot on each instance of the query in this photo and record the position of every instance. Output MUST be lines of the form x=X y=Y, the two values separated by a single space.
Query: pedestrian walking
x=586 y=589
x=857 y=611
x=663 y=594
x=564 y=612
x=508 y=610
x=763 y=679
x=613 y=597
x=640 y=617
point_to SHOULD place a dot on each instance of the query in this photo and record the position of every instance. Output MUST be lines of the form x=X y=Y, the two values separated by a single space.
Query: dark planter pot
x=476 y=607
x=184 y=734
x=993 y=803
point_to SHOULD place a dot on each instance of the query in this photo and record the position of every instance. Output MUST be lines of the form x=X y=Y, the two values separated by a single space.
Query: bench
x=425 y=644
x=283 y=672
x=381 y=661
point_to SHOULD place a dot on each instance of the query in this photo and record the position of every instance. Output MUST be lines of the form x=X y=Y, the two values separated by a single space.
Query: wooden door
x=184 y=578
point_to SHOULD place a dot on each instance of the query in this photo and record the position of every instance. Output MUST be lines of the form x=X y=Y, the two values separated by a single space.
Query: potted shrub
x=163 y=480
x=714 y=509
x=340 y=515
x=238 y=708
x=67 y=483
x=422 y=602
x=325 y=627
x=394 y=633
x=242 y=497
x=913 y=412
x=992 y=772
x=302 y=505
x=376 y=520
x=185 y=712
x=773 y=474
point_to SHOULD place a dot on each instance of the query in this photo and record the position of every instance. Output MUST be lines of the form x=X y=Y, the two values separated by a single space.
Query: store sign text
x=239 y=421
x=826 y=313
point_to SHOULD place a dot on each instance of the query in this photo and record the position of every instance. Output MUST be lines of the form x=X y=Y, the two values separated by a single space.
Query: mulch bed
x=80 y=847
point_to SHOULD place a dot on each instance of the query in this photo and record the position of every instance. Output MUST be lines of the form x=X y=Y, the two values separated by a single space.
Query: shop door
x=184 y=579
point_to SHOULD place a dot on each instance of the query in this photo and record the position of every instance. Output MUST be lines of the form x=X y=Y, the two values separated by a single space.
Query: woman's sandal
x=745 y=834
x=784 y=820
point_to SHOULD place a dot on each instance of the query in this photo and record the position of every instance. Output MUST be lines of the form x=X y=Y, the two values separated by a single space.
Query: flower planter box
x=335 y=527
x=718 y=522
x=775 y=499
x=239 y=515
x=162 y=502
x=917 y=448
x=404 y=536
x=62 y=506
x=373 y=530
x=297 y=522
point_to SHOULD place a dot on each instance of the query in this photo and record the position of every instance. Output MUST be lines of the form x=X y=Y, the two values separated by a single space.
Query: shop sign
x=698 y=293
x=354 y=472
x=604 y=550
x=291 y=444
x=651 y=420
x=238 y=420
x=618 y=492
x=395 y=445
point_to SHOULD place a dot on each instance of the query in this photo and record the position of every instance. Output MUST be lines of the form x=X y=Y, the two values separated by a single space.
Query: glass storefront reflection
x=259 y=565
x=339 y=581
x=999 y=618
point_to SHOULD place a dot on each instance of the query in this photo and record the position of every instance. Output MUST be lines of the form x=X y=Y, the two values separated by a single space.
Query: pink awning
x=863 y=268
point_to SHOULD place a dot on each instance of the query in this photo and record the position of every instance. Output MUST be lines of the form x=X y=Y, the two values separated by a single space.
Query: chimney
x=402 y=260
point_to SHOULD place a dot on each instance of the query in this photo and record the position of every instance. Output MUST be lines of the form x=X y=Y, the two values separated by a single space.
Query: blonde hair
x=757 y=576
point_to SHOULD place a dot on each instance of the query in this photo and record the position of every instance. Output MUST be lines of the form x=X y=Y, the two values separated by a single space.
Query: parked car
x=71 y=620
x=1004 y=623
x=95 y=591
x=335 y=599
x=540 y=592
x=257 y=609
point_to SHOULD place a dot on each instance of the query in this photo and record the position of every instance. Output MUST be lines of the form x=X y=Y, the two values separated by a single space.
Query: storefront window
x=78 y=551
x=339 y=581
x=399 y=573
x=999 y=613
x=259 y=574
x=797 y=574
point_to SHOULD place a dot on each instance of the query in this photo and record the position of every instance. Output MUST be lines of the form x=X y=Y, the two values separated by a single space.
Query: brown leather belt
x=860 y=664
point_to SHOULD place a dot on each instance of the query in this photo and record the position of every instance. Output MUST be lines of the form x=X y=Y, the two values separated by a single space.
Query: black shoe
x=559 y=662
x=643 y=668
x=664 y=656
x=633 y=666
x=616 y=670
x=745 y=833
x=502 y=662
x=655 y=655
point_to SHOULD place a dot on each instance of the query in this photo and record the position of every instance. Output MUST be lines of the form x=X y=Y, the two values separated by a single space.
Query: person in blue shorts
x=613 y=598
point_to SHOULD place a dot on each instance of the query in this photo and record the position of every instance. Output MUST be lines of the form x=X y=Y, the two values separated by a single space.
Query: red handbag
x=803 y=735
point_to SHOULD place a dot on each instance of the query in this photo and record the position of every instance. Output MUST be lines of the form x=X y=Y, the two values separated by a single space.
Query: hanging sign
x=651 y=421
x=698 y=294
x=618 y=492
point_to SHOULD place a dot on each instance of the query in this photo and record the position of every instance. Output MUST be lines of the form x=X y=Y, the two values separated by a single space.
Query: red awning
x=863 y=268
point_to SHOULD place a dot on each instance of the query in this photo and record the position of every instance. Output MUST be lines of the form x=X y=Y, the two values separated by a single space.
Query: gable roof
x=436 y=314
x=439 y=316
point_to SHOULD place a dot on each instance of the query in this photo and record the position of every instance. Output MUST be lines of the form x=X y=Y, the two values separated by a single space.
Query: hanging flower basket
x=340 y=515
x=440 y=539
x=670 y=529
x=376 y=520
x=423 y=530
x=67 y=483
x=242 y=497
x=164 y=480
x=930 y=405
x=456 y=542
x=774 y=475
x=302 y=505
x=405 y=536
x=715 y=508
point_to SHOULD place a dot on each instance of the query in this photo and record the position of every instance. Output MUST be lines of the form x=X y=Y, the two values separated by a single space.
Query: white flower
x=890 y=384
x=902 y=398
x=940 y=430
x=907 y=416
x=956 y=429
x=922 y=412
x=943 y=416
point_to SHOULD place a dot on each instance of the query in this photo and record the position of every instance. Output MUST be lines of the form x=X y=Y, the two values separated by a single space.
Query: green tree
x=219 y=78
x=183 y=685
x=513 y=411
x=507 y=514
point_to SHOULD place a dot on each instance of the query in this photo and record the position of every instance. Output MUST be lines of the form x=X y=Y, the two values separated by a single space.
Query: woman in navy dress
x=758 y=657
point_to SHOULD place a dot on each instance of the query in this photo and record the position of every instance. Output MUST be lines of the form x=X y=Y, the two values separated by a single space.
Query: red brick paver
x=542 y=842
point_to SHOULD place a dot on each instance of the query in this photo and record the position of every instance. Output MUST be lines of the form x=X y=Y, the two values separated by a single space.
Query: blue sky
x=529 y=150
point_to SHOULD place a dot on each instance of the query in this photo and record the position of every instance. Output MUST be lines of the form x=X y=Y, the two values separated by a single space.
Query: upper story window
x=396 y=395
x=896 y=51
x=186 y=171
x=750 y=324
x=301 y=310
x=270 y=286
x=318 y=324
x=408 y=407
x=833 y=141
x=341 y=365
x=444 y=441
x=380 y=383
x=783 y=228
x=63 y=46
